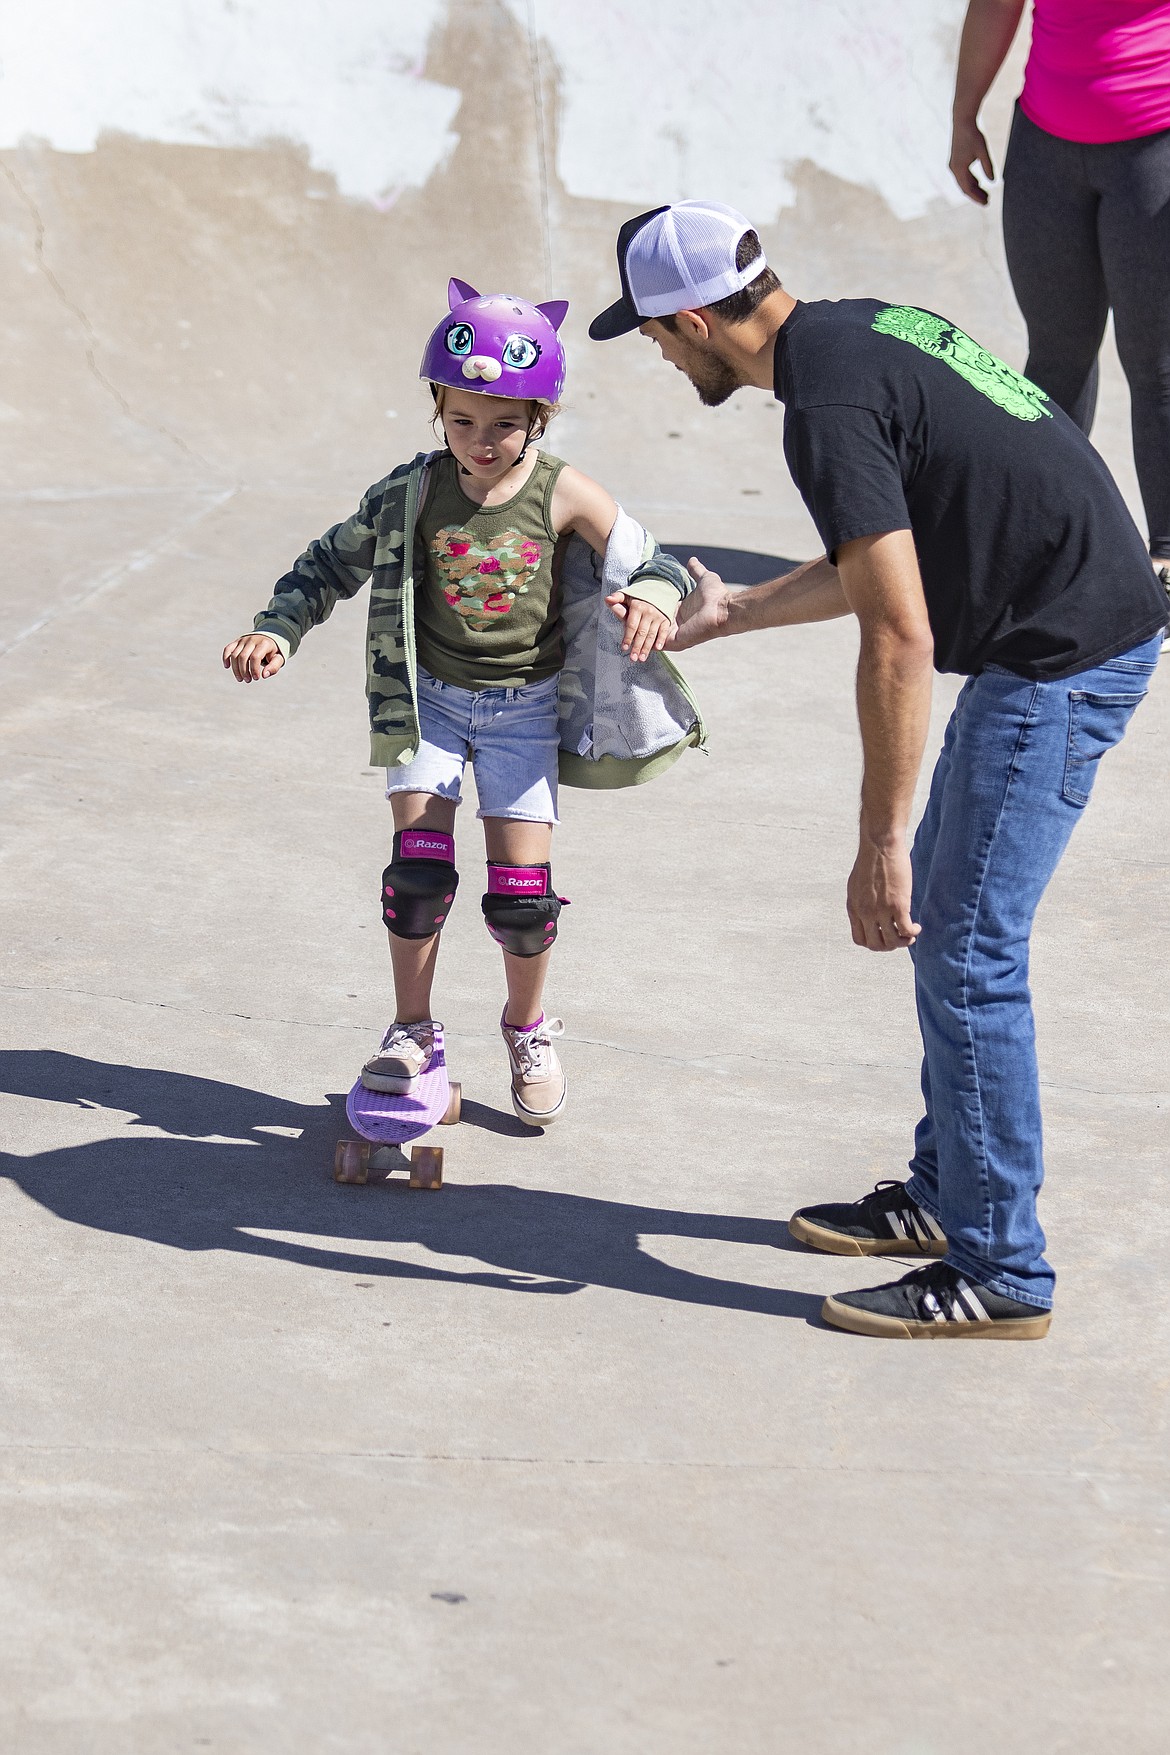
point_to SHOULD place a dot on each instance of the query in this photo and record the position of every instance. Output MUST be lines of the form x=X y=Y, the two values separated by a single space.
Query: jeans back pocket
x=1095 y=724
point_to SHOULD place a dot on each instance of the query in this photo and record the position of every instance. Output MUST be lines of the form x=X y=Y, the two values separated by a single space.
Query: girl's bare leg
x=414 y=959
x=513 y=843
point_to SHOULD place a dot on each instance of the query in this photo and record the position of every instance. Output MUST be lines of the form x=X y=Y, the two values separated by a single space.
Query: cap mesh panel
x=686 y=256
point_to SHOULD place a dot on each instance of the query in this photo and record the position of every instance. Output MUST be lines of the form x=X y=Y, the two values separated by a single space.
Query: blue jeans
x=1016 y=770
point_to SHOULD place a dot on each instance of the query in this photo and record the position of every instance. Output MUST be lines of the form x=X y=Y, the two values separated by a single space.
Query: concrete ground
x=560 y=1457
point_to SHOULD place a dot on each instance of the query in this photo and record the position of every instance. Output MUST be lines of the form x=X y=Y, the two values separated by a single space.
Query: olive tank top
x=487 y=614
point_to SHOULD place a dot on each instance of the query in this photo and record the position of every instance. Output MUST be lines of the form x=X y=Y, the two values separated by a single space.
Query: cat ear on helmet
x=457 y=291
x=555 y=310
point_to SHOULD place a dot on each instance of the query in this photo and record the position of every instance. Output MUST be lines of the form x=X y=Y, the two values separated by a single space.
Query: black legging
x=1086 y=228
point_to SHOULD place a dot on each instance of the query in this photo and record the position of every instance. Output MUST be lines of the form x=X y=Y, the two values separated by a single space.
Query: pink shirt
x=1099 y=70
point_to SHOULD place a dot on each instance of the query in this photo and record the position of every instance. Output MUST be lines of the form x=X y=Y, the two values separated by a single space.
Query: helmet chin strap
x=527 y=441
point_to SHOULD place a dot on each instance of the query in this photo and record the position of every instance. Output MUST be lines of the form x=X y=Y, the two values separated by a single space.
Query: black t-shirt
x=896 y=420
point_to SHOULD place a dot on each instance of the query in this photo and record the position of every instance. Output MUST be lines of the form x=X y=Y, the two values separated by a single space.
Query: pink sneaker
x=404 y=1053
x=538 y=1080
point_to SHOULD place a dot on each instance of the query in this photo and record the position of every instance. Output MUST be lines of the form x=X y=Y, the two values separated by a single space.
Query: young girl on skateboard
x=487 y=639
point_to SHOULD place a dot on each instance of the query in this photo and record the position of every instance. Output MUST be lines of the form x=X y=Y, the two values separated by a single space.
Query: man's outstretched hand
x=703 y=614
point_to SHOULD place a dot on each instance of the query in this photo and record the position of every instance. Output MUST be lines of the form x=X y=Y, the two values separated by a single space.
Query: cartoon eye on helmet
x=521 y=352
x=497 y=345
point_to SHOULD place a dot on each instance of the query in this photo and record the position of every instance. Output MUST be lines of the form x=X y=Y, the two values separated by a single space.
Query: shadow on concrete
x=229 y=1166
x=473 y=1114
x=736 y=566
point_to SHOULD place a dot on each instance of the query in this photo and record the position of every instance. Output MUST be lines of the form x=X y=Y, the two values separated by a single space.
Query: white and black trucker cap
x=676 y=258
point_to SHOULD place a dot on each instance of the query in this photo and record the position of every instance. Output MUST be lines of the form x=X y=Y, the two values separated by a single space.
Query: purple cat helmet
x=497 y=344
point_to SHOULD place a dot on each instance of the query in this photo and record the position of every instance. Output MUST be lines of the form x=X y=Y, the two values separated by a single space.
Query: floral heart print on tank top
x=481 y=581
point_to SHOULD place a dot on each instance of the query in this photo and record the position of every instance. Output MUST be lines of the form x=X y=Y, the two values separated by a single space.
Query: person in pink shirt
x=1086 y=205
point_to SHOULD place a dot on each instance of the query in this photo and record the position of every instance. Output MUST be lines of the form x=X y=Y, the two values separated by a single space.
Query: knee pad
x=520 y=907
x=419 y=884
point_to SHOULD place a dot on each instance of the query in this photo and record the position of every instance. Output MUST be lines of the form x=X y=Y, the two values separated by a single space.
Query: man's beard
x=713 y=378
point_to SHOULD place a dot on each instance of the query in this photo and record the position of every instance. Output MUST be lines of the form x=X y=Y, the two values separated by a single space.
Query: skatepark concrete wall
x=650 y=94
x=228 y=228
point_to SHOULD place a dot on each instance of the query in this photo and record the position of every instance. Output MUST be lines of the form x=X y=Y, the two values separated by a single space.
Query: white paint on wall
x=661 y=100
x=341 y=77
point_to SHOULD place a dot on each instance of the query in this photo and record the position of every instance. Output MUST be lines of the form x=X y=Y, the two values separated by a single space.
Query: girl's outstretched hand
x=647 y=629
x=253 y=657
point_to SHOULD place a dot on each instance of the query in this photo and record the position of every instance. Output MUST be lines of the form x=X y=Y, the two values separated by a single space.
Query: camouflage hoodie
x=621 y=723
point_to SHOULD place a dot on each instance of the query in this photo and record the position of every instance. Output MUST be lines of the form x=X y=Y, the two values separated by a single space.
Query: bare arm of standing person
x=877 y=580
x=895 y=668
x=810 y=593
x=988 y=31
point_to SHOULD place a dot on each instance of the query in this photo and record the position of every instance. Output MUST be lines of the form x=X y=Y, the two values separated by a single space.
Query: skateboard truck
x=358 y=1162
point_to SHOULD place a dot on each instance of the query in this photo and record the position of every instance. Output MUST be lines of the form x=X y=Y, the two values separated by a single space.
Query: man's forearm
x=894 y=679
x=810 y=593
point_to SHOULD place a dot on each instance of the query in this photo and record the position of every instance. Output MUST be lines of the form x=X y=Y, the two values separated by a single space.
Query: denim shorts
x=510 y=736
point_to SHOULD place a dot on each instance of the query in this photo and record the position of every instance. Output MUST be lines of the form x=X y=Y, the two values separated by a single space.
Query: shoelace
x=936 y=1288
x=880 y=1188
x=529 y=1047
x=400 y=1036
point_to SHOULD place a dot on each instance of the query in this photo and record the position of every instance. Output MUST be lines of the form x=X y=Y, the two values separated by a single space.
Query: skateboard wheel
x=351 y=1162
x=454 y=1106
x=426 y=1167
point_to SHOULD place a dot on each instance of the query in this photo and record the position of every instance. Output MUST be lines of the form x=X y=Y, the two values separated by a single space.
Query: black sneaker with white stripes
x=886 y=1222
x=936 y=1303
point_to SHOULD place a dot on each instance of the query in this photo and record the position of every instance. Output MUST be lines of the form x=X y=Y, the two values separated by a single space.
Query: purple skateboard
x=388 y=1120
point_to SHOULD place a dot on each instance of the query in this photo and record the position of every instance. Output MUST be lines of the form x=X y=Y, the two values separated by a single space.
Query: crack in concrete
x=699 y=1065
x=135 y=563
x=909 y=1471
x=167 y=1005
x=66 y=496
x=535 y=62
x=90 y=340
x=702 y=1065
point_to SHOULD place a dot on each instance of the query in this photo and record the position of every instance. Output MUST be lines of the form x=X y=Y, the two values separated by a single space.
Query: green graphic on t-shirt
x=1010 y=390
